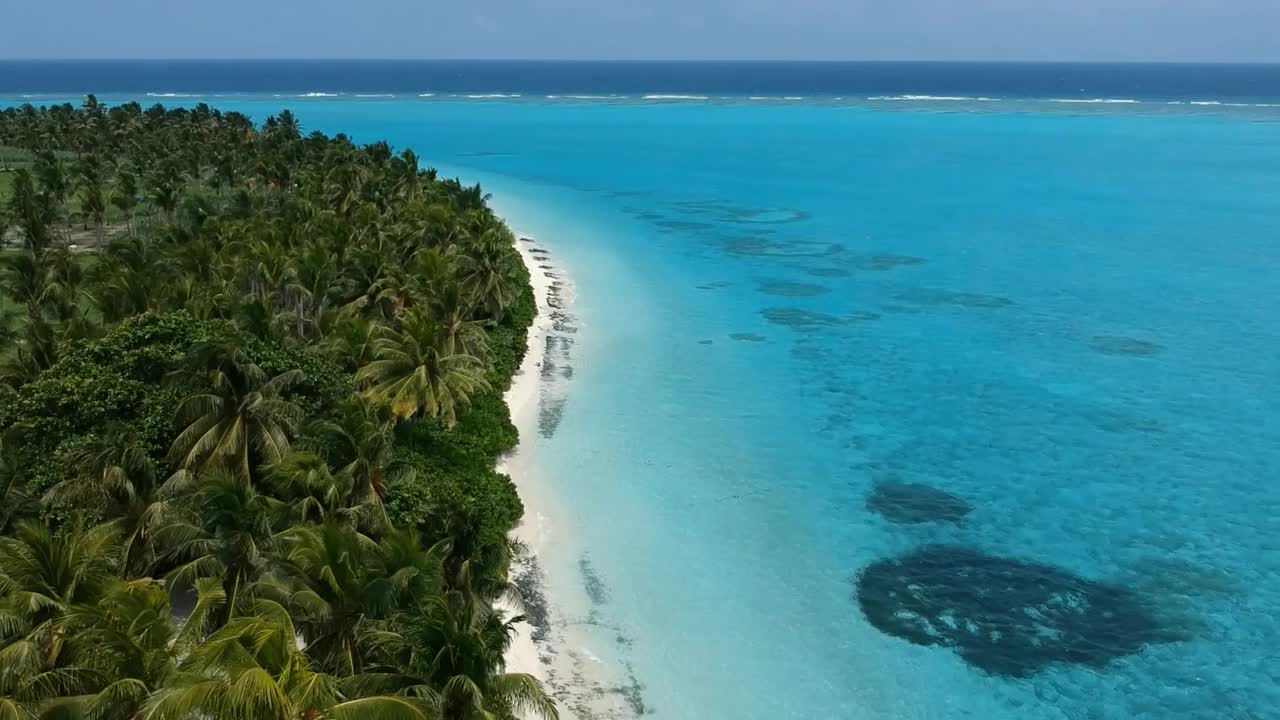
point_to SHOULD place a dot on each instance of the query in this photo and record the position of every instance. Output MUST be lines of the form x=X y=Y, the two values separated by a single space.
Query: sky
x=1082 y=30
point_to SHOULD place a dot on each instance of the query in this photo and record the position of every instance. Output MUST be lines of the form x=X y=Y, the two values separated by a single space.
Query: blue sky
x=1194 y=30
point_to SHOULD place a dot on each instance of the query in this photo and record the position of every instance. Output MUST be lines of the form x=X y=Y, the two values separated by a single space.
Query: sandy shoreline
x=560 y=642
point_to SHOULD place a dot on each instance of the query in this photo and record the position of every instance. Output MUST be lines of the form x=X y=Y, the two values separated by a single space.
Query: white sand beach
x=555 y=644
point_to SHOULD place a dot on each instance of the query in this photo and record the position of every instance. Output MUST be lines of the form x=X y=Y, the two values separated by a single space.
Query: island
x=251 y=404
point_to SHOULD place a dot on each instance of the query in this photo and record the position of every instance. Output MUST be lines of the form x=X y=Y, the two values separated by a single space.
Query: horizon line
x=641 y=61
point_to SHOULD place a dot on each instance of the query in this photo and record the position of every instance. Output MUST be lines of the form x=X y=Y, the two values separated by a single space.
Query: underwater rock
x=926 y=296
x=1006 y=617
x=790 y=289
x=1120 y=345
x=550 y=412
x=595 y=588
x=801 y=319
x=683 y=226
x=798 y=318
x=882 y=263
x=756 y=246
x=914 y=503
x=562 y=322
x=528 y=578
x=728 y=212
x=1121 y=422
x=748 y=337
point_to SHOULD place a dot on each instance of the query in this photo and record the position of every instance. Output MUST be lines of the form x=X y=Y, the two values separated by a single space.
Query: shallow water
x=1064 y=322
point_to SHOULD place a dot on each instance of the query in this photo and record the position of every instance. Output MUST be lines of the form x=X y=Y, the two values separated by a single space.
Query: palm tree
x=242 y=421
x=491 y=272
x=15 y=503
x=93 y=197
x=165 y=189
x=252 y=669
x=452 y=310
x=224 y=533
x=451 y=653
x=118 y=478
x=360 y=436
x=304 y=483
x=33 y=211
x=328 y=579
x=134 y=638
x=124 y=196
x=27 y=281
x=43 y=575
x=352 y=339
x=415 y=371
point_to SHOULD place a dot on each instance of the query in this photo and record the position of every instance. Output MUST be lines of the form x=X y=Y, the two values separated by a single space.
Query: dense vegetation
x=250 y=404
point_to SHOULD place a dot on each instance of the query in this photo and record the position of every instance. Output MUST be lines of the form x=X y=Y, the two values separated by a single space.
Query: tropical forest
x=251 y=402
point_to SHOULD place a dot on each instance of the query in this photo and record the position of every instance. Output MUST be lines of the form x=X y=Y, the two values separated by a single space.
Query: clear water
x=1082 y=346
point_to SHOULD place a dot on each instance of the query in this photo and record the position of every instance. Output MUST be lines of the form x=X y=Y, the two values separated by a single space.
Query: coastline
x=555 y=643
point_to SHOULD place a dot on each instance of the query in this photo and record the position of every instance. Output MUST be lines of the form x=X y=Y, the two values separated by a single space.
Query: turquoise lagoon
x=1062 y=317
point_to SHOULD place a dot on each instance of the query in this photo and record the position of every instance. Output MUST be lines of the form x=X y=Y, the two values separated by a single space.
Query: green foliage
x=270 y=368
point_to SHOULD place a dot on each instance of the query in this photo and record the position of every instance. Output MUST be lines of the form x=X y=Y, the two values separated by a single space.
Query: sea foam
x=1096 y=101
x=933 y=98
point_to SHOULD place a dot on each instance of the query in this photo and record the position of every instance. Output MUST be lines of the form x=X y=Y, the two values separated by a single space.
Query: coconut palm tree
x=491 y=272
x=242 y=421
x=15 y=502
x=361 y=439
x=33 y=211
x=450 y=653
x=328 y=578
x=312 y=493
x=452 y=310
x=352 y=339
x=252 y=669
x=44 y=574
x=27 y=281
x=225 y=531
x=118 y=479
x=415 y=371
x=134 y=638
x=89 y=182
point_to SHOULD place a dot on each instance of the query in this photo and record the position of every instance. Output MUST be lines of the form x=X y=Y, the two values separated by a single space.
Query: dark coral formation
x=927 y=296
x=1006 y=617
x=882 y=263
x=550 y=412
x=1121 y=345
x=529 y=581
x=793 y=289
x=591 y=582
x=728 y=212
x=757 y=246
x=914 y=503
x=800 y=318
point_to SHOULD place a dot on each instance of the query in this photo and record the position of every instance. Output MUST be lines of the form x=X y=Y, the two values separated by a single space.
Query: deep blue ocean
x=922 y=394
